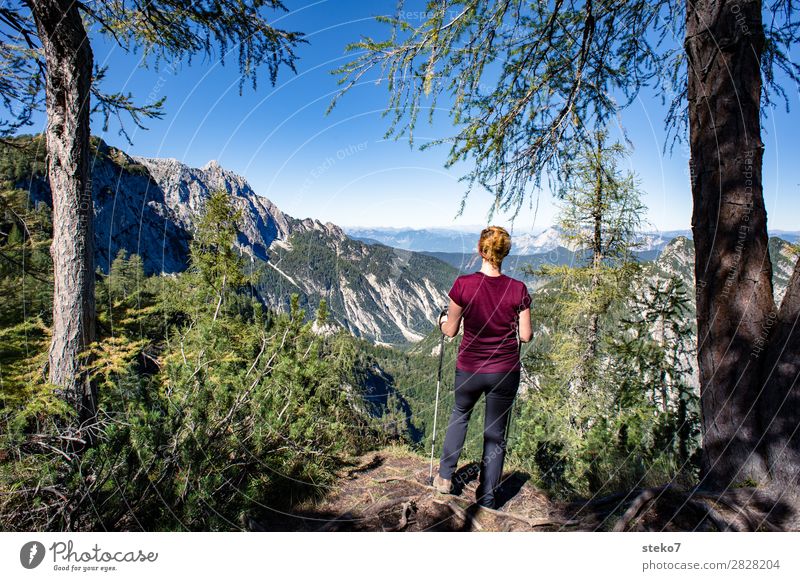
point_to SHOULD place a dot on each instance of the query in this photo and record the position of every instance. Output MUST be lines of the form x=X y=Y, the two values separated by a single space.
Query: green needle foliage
x=212 y=408
x=525 y=82
x=167 y=32
x=651 y=368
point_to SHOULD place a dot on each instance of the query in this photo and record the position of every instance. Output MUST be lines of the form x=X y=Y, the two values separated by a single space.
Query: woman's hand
x=450 y=322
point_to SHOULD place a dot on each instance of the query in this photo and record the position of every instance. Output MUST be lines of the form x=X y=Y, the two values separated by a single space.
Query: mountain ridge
x=149 y=207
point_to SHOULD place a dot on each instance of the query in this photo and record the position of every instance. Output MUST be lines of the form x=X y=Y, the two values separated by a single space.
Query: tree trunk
x=588 y=375
x=780 y=408
x=733 y=272
x=68 y=58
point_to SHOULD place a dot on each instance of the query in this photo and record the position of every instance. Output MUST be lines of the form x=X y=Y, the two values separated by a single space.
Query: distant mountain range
x=437 y=240
x=514 y=265
x=528 y=250
x=463 y=243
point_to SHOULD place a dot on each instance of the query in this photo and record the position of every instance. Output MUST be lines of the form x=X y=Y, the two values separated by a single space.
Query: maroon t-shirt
x=492 y=305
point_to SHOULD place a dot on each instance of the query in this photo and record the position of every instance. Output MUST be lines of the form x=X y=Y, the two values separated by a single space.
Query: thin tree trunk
x=68 y=57
x=588 y=372
x=219 y=302
x=684 y=427
x=662 y=376
x=733 y=272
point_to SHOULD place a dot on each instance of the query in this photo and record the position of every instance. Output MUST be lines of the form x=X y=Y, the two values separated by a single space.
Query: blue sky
x=339 y=168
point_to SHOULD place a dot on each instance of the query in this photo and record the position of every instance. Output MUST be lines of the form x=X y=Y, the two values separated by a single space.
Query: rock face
x=386 y=294
x=186 y=189
x=131 y=212
x=677 y=259
x=150 y=206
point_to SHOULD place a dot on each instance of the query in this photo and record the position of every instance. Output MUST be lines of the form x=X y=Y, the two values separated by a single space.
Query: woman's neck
x=490 y=269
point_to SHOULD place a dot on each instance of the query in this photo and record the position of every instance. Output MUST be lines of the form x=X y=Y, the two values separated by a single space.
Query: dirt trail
x=388 y=490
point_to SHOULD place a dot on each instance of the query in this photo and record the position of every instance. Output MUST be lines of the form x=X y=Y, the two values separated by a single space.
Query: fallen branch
x=636 y=506
x=408 y=509
x=468 y=518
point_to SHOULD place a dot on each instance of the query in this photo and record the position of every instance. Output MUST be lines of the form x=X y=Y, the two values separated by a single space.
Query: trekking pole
x=438 y=385
x=514 y=402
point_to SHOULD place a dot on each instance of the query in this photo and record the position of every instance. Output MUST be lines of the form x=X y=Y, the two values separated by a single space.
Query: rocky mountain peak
x=186 y=189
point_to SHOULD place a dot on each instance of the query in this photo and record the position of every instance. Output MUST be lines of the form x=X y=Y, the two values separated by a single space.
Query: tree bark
x=780 y=406
x=733 y=271
x=68 y=58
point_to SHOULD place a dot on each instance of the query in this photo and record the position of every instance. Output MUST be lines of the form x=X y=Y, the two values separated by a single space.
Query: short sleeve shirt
x=492 y=305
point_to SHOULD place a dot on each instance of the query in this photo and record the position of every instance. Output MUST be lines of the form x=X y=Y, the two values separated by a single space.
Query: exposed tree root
x=376 y=509
x=406 y=512
x=531 y=522
x=408 y=507
x=467 y=517
x=754 y=509
x=669 y=508
x=715 y=517
x=635 y=507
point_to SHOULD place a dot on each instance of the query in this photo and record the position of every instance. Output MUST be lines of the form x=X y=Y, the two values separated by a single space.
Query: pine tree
x=26 y=286
x=213 y=254
x=651 y=364
x=600 y=217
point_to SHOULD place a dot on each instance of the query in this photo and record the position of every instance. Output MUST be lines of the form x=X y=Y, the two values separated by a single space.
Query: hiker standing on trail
x=494 y=307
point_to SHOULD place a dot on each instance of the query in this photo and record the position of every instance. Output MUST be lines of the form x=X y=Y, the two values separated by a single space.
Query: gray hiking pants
x=500 y=390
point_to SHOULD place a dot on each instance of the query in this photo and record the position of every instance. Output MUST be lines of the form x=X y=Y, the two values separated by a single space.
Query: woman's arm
x=451 y=324
x=525 y=332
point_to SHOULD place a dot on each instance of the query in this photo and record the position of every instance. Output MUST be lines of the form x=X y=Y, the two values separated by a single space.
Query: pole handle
x=442 y=315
